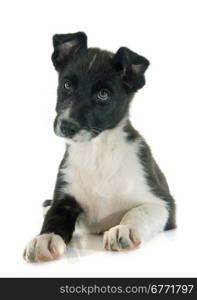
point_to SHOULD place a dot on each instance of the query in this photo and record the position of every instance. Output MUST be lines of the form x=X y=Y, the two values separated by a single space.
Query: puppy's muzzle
x=68 y=129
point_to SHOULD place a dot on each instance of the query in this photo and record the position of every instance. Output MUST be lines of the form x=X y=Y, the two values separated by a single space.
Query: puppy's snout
x=68 y=129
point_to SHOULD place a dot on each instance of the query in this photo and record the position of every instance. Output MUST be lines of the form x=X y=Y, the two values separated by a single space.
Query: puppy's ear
x=131 y=67
x=66 y=45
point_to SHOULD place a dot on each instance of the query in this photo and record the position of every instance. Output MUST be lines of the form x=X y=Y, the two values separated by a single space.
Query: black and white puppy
x=108 y=180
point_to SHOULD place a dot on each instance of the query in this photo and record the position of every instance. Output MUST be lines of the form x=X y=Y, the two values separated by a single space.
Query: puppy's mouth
x=83 y=135
x=74 y=134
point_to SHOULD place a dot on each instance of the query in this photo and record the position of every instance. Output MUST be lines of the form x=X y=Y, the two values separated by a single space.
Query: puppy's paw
x=120 y=237
x=44 y=247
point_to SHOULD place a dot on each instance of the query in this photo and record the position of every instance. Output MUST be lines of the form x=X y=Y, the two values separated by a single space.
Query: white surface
x=164 y=112
x=171 y=253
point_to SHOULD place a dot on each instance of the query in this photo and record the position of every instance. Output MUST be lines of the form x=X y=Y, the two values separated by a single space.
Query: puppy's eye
x=68 y=85
x=103 y=95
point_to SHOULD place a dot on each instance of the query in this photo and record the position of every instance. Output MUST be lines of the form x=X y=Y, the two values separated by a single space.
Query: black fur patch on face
x=90 y=74
x=95 y=86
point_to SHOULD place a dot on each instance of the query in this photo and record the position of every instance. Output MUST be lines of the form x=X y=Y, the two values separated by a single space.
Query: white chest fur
x=106 y=178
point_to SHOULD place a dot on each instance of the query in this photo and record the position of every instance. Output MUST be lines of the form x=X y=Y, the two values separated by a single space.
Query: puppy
x=108 y=181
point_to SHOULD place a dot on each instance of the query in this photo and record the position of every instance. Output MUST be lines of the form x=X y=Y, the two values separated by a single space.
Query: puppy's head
x=95 y=86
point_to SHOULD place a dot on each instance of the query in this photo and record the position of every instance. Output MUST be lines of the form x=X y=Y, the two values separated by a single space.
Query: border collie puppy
x=108 y=180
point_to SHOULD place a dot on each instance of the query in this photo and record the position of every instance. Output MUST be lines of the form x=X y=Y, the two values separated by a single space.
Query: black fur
x=157 y=182
x=47 y=203
x=65 y=45
x=154 y=176
x=61 y=182
x=61 y=217
x=64 y=209
x=88 y=72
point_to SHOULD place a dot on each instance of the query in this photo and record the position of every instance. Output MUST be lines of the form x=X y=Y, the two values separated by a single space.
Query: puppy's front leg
x=56 y=232
x=138 y=225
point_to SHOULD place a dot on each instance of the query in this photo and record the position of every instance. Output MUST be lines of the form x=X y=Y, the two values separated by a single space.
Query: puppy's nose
x=68 y=129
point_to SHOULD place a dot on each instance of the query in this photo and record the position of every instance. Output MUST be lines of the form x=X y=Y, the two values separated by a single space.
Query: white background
x=164 y=112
